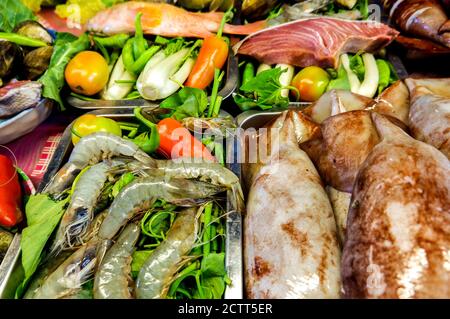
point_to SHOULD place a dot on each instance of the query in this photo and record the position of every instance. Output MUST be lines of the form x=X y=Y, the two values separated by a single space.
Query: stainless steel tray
x=11 y=272
x=232 y=75
x=390 y=56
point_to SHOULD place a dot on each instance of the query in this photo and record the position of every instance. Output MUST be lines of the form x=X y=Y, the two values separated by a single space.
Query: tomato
x=90 y=123
x=311 y=82
x=87 y=73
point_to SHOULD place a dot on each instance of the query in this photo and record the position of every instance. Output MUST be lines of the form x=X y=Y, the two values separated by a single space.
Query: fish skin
x=20 y=98
x=165 y=20
x=398 y=228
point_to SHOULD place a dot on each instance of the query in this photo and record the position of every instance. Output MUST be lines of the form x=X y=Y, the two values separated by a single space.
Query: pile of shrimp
x=92 y=252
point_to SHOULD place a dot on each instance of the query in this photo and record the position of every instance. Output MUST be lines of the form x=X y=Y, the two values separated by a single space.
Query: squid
x=421 y=18
x=290 y=239
x=429 y=116
x=398 y=229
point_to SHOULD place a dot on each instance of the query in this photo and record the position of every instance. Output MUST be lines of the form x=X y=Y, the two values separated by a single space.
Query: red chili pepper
x=176 y=141
x=10 y=194
x=213 y=54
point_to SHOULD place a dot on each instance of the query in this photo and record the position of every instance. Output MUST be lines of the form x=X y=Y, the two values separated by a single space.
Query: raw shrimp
x=42 y=273
x=94 y=227
x=143 y=192
x=112 y=277
x=92 y=149
x=70 y=275
x=213 y=173
x=155 y=275
x=79 y=214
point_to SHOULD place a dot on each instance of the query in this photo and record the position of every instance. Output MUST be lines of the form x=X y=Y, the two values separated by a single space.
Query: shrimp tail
x=61 y=181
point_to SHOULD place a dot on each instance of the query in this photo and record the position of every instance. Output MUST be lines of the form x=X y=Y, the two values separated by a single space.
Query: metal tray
x=11 y=272
x=232 y=76
x=390 y=56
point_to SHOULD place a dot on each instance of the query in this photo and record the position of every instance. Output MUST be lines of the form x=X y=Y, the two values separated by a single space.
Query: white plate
x=24 y=122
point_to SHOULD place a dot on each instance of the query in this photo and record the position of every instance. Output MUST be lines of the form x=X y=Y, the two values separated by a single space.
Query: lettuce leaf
x=66 y=47
x=43 y=215
x=12 y=12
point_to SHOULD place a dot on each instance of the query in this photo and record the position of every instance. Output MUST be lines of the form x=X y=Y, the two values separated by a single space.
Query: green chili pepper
x=140 y=63
x=249 y=72
x=22 y=40
x=139 y=42
x=116 y=41
x=384 y=73
x=103 y=51
x=127 y=55
x=149 y=142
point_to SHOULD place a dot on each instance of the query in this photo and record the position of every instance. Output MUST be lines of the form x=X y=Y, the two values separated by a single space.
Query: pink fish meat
x=315 y=41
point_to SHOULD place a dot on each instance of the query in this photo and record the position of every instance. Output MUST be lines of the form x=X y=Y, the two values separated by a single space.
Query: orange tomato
x=87 y=73
x=311 y=82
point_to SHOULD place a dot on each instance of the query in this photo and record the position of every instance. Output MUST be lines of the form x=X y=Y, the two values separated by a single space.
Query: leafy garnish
x=43 y=215
x=188 y=102
x=66 y=47
x=12 y=12
x=263 y=91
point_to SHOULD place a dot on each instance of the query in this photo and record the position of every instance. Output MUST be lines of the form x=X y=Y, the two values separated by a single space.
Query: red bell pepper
x=176 y=141
x=10 y=194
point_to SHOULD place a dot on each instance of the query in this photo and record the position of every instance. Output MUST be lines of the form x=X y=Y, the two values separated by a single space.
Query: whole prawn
x=213 y=173
x=154 y=277
x=143 y=192
x=70 y=275
x=113 y=275
x=92 y=149
x=79 y=214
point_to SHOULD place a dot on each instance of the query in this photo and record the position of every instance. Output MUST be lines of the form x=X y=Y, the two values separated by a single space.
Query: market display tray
x=231 y=73
x=11 y=272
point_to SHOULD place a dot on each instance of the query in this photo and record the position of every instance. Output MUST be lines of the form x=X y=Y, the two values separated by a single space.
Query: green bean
x=140 y=63
x=116 y=41
x=22 y=40
x=249 y=73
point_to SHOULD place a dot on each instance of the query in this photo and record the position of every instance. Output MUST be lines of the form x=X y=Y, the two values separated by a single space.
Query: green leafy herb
x=66 y=47
x=213 y=265
x=264 y=91
x=12 y=12
x=188 y=102
x=174 y=45
x=123 y=181
x=43 y=215
x=139 y=258
x=212 y=288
